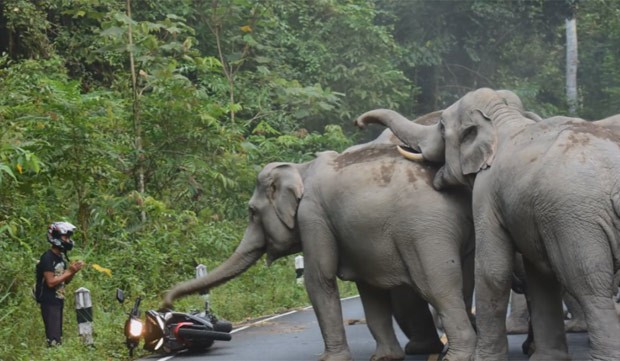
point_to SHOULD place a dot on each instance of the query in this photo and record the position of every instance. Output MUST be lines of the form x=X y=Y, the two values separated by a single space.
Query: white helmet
x=57 y=229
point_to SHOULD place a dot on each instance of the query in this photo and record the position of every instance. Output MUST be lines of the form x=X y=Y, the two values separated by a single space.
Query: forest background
x=145 y=122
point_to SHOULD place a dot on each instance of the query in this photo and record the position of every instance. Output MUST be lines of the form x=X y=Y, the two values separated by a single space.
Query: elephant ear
x=285 y=192
x=478 y=142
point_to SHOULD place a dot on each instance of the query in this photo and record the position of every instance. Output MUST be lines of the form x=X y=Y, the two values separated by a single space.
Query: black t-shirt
x=50 y=262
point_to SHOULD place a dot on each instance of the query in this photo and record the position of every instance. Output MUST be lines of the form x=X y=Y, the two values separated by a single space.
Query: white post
x=299 y=269
x=571 y=65
x=201 y=271
x=84 y=310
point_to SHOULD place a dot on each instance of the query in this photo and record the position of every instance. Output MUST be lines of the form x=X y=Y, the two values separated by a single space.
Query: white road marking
x=166 y=358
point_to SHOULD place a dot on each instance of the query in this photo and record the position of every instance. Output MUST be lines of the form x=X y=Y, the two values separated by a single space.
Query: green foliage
x=27 y=28
x=222 y=89
x=297 y=147
x=345 y=50
x=455 y=47
x=599 y=32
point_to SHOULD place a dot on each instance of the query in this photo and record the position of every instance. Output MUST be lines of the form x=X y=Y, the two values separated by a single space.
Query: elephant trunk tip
x=359 y=122
x=178 y=291
x=372 y=116
x=168 y=301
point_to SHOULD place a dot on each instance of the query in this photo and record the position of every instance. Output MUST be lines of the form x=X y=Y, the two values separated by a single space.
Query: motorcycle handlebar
x=136 y=307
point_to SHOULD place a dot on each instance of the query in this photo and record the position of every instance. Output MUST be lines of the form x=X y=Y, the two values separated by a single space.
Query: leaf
x=113 y=32
x=98 y=268
x=262 y=59
x=246 y=29
x=4 y=168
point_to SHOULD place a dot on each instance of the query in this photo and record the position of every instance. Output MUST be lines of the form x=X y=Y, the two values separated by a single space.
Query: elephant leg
x=458 y=328
x=468 y=266
x=415 y=319
x=321 y=260
x=494 y=267
x=442 y=285
x=603 y=326
x=378 y=311
x=577 y=321
x=547 y=315
x=528 y=346
x=518 y=318
x=587 y=273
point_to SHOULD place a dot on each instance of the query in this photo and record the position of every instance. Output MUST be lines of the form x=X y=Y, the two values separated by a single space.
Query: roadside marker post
x=201 y=271
x=84 y=311
x=299 y=269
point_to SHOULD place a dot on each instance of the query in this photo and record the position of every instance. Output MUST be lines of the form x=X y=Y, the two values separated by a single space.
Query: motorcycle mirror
x=120 y=296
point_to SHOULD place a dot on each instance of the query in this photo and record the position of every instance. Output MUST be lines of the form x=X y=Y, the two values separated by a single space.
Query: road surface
x=295 y=336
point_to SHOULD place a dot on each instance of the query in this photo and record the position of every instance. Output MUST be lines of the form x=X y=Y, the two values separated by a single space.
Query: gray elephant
x=348 y=214
x=577 y=321
x=549 y=191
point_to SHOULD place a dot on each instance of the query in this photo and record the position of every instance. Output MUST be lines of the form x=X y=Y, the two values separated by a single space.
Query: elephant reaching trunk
x=365 y=215
x=248 y=252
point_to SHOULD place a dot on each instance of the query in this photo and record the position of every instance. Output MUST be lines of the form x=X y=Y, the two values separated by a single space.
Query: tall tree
x=137 y=122
x=572 y=58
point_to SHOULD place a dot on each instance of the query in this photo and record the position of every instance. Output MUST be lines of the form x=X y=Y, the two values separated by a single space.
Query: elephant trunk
x=250 y=250
x=425 y=139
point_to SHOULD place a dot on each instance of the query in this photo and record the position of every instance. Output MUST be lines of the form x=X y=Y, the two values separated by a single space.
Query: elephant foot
x=517 y=326
x=575 y=325
x=550 y=356
x=458 y=356
x=394 y=357
x=494 y=357
x=388 y=353
x=344 y=355
x=416 y=347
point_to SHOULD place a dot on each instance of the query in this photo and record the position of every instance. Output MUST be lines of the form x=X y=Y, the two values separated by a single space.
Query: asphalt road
x=295 y=336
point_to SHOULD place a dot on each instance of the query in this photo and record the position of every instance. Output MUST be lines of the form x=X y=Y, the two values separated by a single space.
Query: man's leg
x=52 y=318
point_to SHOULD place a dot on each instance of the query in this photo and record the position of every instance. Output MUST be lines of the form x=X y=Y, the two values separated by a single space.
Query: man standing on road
x=52 y=275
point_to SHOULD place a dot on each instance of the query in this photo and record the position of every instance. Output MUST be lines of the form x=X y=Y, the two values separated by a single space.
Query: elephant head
x=272 y=229
x=462 y=138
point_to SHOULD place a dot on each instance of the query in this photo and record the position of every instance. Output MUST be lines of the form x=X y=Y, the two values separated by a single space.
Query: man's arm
x=53 y=281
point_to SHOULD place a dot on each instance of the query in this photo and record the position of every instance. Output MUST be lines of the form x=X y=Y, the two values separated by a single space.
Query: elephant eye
x=442 y=127
x=469 y=134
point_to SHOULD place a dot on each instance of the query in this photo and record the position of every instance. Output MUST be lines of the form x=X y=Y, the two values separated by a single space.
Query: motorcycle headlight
x=135 y=328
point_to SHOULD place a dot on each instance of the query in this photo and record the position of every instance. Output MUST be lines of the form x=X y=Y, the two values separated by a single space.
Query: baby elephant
x=370 y=216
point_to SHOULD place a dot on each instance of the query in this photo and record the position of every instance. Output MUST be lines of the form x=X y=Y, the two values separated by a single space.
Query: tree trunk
x=571 y=64
x=137 y=122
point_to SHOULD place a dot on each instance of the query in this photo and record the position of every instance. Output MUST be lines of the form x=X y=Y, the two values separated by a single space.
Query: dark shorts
x=52 y=318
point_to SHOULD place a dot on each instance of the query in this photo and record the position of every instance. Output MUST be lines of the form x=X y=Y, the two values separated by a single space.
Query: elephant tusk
x=416 y=157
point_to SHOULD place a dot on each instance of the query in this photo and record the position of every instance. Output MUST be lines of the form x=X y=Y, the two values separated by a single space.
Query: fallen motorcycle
x=169 y=331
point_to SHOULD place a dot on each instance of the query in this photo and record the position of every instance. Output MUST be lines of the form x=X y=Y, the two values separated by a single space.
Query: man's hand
x=76 y=266
x=52 y=280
